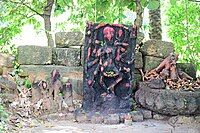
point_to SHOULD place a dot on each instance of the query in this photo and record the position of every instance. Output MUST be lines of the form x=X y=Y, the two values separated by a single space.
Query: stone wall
x=38 y=62
x=67 y=57
x=6 y=63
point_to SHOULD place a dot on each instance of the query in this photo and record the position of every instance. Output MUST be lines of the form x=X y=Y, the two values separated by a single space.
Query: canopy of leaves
x=14 y=14
x=107 y=11
x=184 y=25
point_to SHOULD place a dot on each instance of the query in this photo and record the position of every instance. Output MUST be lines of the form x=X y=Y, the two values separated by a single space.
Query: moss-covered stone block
x=140 y=37
x=44 y=71
x=151 y=62
x=157 y=48
x=138 y=60
x=67 y=56
x=188 y=68
x=66 y=39
x=34 y=55
x=6 y=60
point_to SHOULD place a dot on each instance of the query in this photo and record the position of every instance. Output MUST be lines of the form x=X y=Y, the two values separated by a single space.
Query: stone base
x=168 y=102
x=98 y=118
x=108 y=104
x=127 y=118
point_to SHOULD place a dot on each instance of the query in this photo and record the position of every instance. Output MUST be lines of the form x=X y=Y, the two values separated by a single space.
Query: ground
x=147 y=126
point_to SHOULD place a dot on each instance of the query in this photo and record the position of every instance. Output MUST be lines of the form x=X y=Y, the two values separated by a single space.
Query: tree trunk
x=139 y=13
x=47 y=22
x=155 y=31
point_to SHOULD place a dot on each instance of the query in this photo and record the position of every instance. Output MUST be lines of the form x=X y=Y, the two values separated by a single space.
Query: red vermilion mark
x=89 y=82
x=118 y=55
x=109 y=50
x=127 y=85
x=120 y=32
x=94 y=51
x=110 y=61
x=89 y=53
x=108 y=33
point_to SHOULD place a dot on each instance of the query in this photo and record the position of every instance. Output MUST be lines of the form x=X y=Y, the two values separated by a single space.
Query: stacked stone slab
x=149 y=55
x=154 y=51
x=39 y=61
x=6 y=63
x=138 y=60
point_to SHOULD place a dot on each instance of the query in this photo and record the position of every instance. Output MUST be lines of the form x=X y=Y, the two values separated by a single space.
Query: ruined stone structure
x=39 y=63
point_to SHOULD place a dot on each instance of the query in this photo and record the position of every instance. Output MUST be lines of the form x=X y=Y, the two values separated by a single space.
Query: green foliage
x=154 y=4
x=14 y=14
x=3 y=118
x=27 y=83
x=106 y=11
x=184 y=25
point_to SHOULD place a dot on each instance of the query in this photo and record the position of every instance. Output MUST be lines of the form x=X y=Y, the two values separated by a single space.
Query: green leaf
x=27 y=83
x=132 y=6
x=100 y=19
x=173 y=2
x=144 y=3
x=153 y=5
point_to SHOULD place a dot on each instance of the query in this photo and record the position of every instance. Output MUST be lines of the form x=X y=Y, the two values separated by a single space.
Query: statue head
x=108 y=33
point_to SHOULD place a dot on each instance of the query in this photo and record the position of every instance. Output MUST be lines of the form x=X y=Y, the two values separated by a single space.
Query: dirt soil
x=147 y=126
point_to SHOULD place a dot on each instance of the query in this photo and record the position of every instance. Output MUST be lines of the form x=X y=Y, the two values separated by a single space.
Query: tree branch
x=24 y=4
x=33 y=10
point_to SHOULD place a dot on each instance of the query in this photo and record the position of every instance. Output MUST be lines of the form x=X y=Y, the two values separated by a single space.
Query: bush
x=3 y=118
x=184 y=24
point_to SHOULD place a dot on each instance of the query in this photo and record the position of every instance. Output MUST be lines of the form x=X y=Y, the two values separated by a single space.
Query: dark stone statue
x=108 y=67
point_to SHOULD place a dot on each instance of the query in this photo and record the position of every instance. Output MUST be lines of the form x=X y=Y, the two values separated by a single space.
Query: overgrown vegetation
x=184 y=25
x=3 y=118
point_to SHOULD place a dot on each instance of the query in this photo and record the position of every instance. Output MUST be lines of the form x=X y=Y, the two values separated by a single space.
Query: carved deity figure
x=109 y=63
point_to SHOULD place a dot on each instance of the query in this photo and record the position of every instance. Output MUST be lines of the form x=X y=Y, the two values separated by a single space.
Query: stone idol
x=108 y=67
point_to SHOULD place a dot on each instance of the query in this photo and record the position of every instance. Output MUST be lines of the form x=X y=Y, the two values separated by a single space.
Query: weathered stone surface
x=97 y=119
x=156 y=84
x=140 y=37
x=66 y=39
x=7 y=71
x=82 y=55
x=128 y=122
x=7 y=84
x=1 y=71
x=159 y=117
x=34 y=55
x=138 y=60
x=157 y=48
x=8 y=98
x=70 y=116
x=181 y=120
x=43 y=71
x=6 y=60
x=77 y=86
x=188 y=68
x=137 y=78
x=197 y=119
x=56 y=116
x=111 y=119
x=151 y=62
x=81 y=117
x=168 y=102
x=67 y=56
x=136 y=71
x=147 y=114
x=137 y=116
